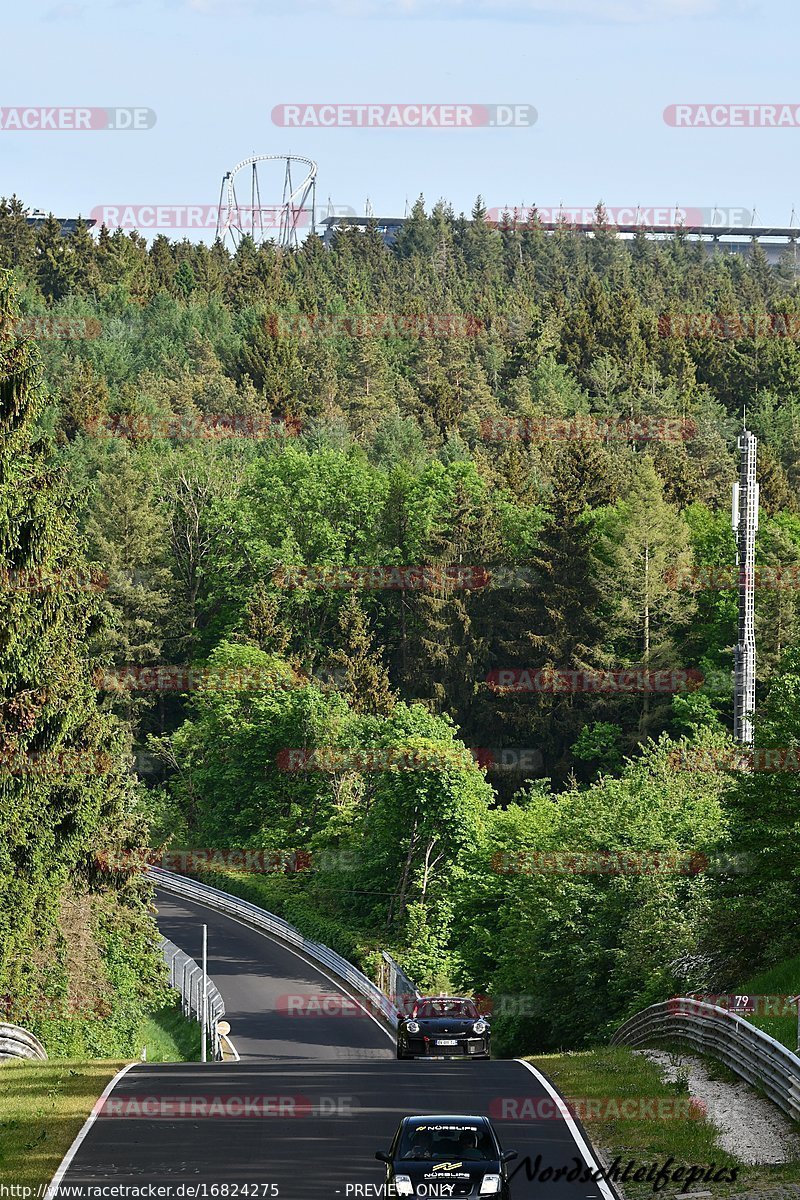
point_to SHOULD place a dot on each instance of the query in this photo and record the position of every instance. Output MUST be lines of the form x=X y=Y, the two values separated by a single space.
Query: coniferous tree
x=358 y=664
x=17 y=238
x=56 y=270
x=127 y=535
x=65 y=794
x=644 y=550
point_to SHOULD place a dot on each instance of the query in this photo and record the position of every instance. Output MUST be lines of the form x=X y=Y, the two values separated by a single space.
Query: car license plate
x=446 y=1042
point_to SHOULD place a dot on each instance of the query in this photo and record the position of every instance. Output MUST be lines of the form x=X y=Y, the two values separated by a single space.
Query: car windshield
x=447 y=1008
x=454 y=1143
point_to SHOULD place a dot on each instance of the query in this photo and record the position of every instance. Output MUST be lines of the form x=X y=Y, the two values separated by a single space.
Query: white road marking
x=309 y=962
x=580 y=1141
x=87 y=1125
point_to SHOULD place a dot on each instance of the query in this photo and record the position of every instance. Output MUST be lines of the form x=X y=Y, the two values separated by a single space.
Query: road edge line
x=338 y=983
x=578 y=1135
x=66 y=1161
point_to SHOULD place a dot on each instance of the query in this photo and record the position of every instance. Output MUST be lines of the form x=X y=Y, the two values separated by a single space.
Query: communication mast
x=278 y=222
x=745 y=523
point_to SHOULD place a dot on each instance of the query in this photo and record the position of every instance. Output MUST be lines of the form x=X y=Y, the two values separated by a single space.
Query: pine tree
x=359 y=665
x=417 y=236
x=127 y=535
x=263 y=622
x=556 y=620
x=55 y=261
x=644 y=549
x=81 y=246
x=64 y=788
x=162 y=262
x=17 y=238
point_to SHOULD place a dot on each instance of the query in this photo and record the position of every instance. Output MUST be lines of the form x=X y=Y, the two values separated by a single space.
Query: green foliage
x=158 y=450
x=64 y=789
x=754 y=921
x=585 y=940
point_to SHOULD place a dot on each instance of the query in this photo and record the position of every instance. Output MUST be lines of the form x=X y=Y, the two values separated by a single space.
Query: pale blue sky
x=599 y=72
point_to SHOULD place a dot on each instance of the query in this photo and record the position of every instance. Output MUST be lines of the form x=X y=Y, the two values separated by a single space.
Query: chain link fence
x=187 y=977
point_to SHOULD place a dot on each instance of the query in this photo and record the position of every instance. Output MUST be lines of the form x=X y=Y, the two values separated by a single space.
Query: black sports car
x=441 y=1026
x=446 y=1157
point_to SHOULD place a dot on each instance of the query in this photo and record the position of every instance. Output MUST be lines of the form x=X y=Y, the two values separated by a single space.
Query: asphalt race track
x=301 y=1116
x=262 y=982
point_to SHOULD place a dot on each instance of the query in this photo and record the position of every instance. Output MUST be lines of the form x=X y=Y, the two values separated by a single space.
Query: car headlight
x=479 y=1027
x=412 y=1027
x=490 y=1185
x=404 y=1187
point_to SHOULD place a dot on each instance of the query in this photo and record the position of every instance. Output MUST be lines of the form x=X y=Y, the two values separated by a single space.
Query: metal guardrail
x=187 y=978
x=745 y=1049
x=16 y=1042
x=378 y=1004
x=398 y=986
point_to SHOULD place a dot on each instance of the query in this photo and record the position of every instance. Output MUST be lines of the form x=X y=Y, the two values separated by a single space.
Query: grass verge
x=42 y=1107
x=44 y=1104
x=614 y=1073
x=781 y=981
x=169 y=1036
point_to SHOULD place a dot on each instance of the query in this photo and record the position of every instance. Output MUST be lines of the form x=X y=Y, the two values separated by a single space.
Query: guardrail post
x=268 y=922
x=756 y=1057
x=204 y=980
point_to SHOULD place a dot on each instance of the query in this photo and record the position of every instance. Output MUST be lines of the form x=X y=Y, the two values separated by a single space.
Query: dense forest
x=432 y=547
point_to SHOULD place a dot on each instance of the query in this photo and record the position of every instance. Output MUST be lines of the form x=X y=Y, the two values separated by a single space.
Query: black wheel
x=401 y=1055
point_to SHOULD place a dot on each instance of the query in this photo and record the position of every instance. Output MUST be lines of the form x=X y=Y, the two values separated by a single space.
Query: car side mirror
x=382 y=1156
x=509 y=1156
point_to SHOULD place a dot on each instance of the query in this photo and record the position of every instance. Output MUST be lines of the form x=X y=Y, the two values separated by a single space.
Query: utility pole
x=204 y=1022
x=745 y=523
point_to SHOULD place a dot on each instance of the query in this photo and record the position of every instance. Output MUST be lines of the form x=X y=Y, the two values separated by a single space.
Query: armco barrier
x=186 y=976
x=720 y=1034
x=251 y=914
x=395 y=984
x=16 y=1042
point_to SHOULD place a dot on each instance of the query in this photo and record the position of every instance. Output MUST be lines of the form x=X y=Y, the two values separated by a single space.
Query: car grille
x=462 y=1047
